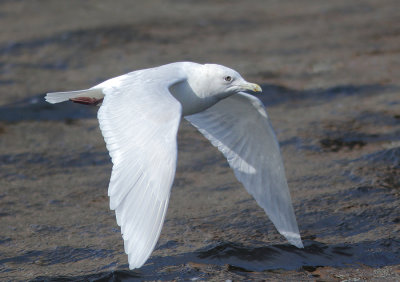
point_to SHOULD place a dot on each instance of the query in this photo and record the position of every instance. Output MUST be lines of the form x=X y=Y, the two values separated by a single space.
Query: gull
x=139 y=118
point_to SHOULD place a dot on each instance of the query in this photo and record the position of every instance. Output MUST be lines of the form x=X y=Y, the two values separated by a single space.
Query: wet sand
x=330 y=73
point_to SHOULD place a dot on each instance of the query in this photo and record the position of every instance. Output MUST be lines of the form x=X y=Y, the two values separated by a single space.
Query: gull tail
x=92 y=94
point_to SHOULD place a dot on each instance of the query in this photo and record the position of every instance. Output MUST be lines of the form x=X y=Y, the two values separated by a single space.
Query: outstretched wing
x=139 y=120
x=239 y=127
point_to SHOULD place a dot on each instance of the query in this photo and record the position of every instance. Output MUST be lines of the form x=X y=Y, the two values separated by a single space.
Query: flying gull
x=139 y=118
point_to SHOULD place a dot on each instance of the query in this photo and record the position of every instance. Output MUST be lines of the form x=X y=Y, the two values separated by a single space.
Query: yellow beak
x=252 y=87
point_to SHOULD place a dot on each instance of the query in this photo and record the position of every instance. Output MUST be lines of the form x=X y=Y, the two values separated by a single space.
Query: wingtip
x=293 y=238
x=134 y=266
x=298 y=243
x=135 y=262
x=48 y=99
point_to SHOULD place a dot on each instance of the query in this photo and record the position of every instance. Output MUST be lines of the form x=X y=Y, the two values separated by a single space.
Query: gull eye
x=228 y=78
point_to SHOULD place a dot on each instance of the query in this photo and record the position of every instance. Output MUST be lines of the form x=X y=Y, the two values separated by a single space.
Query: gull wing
x=239 y=127
x=139 y=120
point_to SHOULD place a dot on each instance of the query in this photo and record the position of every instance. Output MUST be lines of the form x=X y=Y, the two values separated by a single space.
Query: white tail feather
x=58 y=97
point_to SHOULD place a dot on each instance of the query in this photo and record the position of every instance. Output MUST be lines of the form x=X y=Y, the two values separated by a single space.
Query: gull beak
x=251 y=86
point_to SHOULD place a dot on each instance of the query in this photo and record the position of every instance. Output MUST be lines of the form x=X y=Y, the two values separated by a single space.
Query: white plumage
x=139 y=119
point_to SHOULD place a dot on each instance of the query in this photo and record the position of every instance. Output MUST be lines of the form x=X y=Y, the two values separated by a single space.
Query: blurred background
x=330 y=72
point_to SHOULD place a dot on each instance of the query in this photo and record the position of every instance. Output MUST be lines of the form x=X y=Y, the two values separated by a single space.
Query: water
x=244 y=260
x=332 y=96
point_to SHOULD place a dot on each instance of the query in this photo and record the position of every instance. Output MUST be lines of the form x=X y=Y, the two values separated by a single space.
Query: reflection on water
x=314 y=254
x=238 y=258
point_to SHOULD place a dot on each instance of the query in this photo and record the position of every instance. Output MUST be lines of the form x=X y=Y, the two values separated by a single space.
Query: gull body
x=139 y=118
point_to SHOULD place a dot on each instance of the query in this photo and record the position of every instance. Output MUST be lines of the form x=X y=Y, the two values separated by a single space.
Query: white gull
x=139 y=118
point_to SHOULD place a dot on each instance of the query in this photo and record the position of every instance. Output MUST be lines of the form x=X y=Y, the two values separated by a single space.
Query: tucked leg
x=86 y=100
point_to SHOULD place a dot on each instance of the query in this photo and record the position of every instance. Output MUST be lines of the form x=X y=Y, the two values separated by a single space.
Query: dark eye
x=228 y=78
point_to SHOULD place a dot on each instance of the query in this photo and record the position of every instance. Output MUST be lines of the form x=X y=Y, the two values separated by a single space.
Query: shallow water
x=332 y=95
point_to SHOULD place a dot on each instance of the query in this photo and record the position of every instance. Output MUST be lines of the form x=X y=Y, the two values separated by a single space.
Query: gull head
x=223 y=80
x=207 y=84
